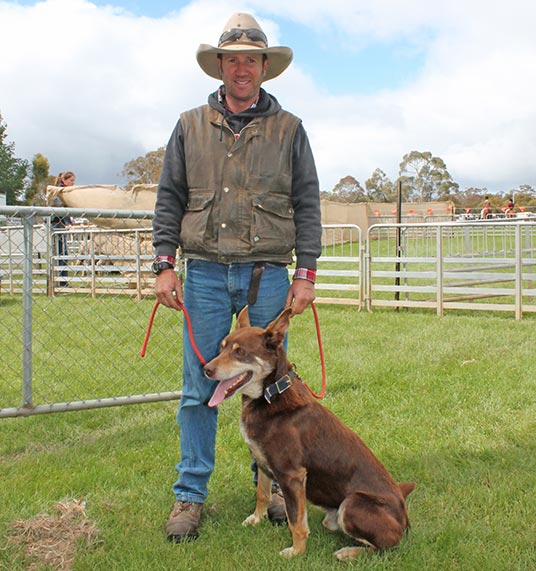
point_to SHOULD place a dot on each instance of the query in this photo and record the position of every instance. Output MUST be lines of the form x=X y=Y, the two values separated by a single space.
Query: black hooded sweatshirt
x=172 y=196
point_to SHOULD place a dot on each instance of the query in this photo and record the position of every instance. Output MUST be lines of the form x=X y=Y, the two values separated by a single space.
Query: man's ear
x=276 y=331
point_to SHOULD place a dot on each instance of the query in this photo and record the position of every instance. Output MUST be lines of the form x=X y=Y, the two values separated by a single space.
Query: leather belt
x=255 y=281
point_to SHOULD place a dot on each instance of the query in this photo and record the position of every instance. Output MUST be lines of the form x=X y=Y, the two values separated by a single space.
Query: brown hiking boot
x=276 y=508
x=183 y=522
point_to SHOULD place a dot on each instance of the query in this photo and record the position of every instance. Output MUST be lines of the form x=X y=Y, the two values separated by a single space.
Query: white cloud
x=91 y=88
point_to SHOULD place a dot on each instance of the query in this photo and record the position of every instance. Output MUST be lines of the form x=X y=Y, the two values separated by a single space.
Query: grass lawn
x=448 y=402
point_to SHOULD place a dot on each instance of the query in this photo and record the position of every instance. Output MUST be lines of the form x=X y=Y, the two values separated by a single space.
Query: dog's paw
x=330 y=521
x=253 y=519
x=349 y=553
x=289 y=552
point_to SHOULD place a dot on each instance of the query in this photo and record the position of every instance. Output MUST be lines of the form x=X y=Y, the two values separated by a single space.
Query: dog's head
x=247 y=357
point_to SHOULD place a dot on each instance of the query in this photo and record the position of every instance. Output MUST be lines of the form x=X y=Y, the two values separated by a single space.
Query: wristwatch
x=160 y=265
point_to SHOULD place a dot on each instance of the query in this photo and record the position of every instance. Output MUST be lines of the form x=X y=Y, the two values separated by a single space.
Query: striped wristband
x=305 y=274
x=169 y=259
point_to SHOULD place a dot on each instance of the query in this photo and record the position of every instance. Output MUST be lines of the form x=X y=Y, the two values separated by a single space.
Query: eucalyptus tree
x=425 y=178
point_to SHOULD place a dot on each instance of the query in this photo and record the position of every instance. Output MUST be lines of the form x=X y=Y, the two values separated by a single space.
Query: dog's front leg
x=264 y=496
x=293 y=488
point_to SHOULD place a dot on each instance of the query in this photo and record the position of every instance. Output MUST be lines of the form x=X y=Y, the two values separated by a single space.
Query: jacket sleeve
x=171 y=198
x=305 y=202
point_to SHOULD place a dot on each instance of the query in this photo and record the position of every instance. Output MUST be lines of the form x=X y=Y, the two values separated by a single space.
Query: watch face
x=159 y=267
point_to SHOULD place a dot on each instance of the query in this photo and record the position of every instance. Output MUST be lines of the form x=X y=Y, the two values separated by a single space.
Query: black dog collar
x=280 y=386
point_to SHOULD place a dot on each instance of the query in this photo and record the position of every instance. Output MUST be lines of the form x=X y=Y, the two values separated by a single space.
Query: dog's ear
x=275 y=332
x=243 y=318
x=406 y=488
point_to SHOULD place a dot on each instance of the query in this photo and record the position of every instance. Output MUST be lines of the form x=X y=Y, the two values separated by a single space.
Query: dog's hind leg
x=264 y=495
x=293 y=487
x=330 y=521
x=376 y=522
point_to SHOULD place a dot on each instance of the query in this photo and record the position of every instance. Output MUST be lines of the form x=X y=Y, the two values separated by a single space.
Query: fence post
x=367 y=273
x=398 y=240
x=27 y=330
x=138 y=265
x=93 y=264
x=519 y=273
x=50 y=257
x=439 y=270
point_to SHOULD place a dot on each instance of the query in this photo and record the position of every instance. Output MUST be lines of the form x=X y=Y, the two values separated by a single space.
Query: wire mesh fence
x=74 y=306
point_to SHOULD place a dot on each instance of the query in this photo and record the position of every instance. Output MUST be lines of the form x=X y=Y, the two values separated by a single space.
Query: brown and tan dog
x=304 y=446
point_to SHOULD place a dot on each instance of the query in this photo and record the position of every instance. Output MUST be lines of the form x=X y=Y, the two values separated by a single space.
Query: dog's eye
x=238 y=351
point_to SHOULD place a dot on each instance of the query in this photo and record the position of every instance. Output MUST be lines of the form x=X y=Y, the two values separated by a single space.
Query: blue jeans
x=213 y=293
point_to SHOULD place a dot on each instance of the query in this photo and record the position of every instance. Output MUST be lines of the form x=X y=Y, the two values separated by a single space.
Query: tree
x=525 y=189
x=471 y=197
x=425 y=178
x=40 y=178
x=524 y=195
x=145 y=170
x=348 y=189
x=380 y=188
x=13 y=171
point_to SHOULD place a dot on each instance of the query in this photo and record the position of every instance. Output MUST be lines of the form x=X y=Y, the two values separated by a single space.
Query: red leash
x=322 y=361
x=203 y=362
x=188 y=324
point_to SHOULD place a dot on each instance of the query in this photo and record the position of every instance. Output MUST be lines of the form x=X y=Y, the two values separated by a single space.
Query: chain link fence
x=74 y=308
x=75 y=304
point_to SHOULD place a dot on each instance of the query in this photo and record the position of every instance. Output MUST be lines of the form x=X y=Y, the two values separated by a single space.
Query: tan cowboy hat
x=242 y=34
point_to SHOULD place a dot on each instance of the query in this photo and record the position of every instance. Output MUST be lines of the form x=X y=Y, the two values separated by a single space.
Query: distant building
x=2 y=199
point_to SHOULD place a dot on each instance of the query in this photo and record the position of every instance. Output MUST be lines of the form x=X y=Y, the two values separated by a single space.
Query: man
x=239 y=193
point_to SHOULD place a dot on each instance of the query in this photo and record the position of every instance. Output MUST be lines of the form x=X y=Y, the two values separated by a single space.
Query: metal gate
x=481 y=265
x=73 y=319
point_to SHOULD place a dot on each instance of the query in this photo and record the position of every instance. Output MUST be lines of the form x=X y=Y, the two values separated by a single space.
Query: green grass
x=448 y=402
x=85 y=349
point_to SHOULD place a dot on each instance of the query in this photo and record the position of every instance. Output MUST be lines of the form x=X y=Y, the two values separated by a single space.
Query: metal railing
x=76 y=345
x=470 y=266
x=340 y=266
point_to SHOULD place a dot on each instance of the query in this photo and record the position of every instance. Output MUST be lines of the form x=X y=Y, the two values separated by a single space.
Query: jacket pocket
x=272 y=229
x=196 y=228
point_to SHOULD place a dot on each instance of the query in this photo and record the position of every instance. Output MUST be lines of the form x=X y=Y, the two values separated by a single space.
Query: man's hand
x=168 y=289
x=300 y=295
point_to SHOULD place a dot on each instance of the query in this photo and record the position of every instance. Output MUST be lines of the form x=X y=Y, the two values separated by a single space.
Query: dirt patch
x=52 y=539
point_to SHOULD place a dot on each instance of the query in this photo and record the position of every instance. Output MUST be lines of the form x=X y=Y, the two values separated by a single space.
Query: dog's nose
x=209 y=372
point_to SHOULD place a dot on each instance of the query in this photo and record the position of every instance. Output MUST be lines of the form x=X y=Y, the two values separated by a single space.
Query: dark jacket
x=174 y=189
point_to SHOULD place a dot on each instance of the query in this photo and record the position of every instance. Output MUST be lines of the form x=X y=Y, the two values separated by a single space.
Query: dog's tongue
x=220 y=394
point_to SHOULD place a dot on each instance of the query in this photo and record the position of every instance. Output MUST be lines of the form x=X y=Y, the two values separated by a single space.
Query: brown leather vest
x=239 y=207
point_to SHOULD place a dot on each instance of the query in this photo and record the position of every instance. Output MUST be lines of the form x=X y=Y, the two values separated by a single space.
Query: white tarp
x=106 y=197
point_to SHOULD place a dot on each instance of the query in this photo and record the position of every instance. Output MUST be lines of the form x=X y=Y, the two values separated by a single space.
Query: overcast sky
x=93 y=84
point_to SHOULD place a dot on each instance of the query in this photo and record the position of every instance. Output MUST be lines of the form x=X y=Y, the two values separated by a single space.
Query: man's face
x=242 y=75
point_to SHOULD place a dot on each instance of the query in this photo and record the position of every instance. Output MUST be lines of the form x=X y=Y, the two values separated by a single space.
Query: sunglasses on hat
x=253 y=34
